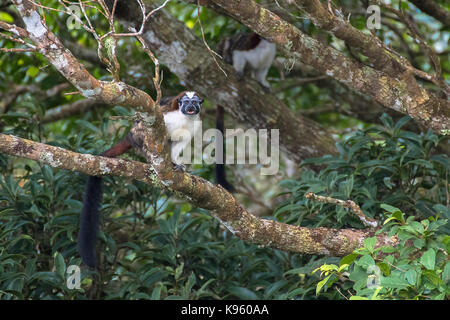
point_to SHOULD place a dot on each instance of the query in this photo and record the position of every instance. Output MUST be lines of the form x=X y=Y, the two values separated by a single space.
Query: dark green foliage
x=382 y=169
x=374 y=166
x=418 y=268
x=150 y=248
x=153 y=248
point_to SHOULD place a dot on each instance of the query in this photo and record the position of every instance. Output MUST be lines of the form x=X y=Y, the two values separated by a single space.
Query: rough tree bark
x=202 y=193
x=152 y=133
x=400 y=93
x=433 y=9
x=187 y=57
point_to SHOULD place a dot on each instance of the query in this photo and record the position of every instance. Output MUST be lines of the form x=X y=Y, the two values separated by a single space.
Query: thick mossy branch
x=204 y=194
x=401 y=93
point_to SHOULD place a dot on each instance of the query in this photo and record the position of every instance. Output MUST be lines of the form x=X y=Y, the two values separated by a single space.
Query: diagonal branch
x=368 y=45
x=63 y=60
x=349 y=204
x=223 y=206
x=381 y=56
x=177 y=47
x=70 y=109
x=399 y=93
x=433 y=9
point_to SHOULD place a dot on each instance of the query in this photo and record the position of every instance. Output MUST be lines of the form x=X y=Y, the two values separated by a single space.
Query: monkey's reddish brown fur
x=120 y=148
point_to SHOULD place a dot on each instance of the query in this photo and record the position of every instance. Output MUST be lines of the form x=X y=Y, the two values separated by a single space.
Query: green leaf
x=348 y=259
x=321 y=284
x=428 y=259
x=243 y=293
x=32 y=71
x=387 y=182
x=156 y=294
x=389 y=208
x=358 y=298
x=389 y=219
x=4 y=16
x=421 y=162
x=442 y=159
x=60 y=265
x=411 y=277
x=189 y=284
x=365 y=261
x=431 y=276
x=121 y=111
x=288 y=208
x=370 y=243
x=179 y=270
x=388 y=249
x=87 y=125
x=349 y=186
x=417 y=226
x=446 y=273
x=394 y=282
x=400 y=123
x=384 y=267
x=419 y=243
x=387 y=120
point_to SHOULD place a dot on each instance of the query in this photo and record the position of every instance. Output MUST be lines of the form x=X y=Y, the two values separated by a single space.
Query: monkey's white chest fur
x=182 y=129
x=259 y=58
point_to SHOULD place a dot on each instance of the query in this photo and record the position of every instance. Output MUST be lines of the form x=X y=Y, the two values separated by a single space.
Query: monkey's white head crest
x=190 y=94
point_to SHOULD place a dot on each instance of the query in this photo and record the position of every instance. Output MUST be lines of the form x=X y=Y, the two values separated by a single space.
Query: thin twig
x=212 y=52
x=156 y=79
x=349 y=204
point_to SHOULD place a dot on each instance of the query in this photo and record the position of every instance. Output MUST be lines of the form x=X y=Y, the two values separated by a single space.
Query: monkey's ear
x=179 y=101
x=201 y=100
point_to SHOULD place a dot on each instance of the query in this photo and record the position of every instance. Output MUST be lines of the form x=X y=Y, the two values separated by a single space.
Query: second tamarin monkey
x=180 y=113
x=249 y=50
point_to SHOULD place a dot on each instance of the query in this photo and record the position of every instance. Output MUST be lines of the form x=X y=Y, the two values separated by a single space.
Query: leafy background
x=153 y=246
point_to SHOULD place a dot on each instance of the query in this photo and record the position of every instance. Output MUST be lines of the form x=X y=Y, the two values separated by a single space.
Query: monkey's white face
x=190 y=104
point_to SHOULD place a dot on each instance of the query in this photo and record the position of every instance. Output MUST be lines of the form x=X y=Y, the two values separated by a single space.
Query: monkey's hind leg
x=239 y=62
x=260 y=76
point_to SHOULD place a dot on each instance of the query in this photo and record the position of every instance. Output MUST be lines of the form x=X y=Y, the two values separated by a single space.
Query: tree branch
x=202 y=193
x=70 y=109
x=399 y=93
x=433 y=9
x=349 y=204
x=63 y=60
x=150 y=133
x=184 y=54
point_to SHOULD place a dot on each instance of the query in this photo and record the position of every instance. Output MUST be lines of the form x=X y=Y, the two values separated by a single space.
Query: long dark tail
x=221 y=177
x=87 y=237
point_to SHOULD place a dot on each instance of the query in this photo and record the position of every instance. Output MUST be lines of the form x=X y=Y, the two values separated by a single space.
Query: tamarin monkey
x=243 y=50
x=180 y=113
x=252 y=50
